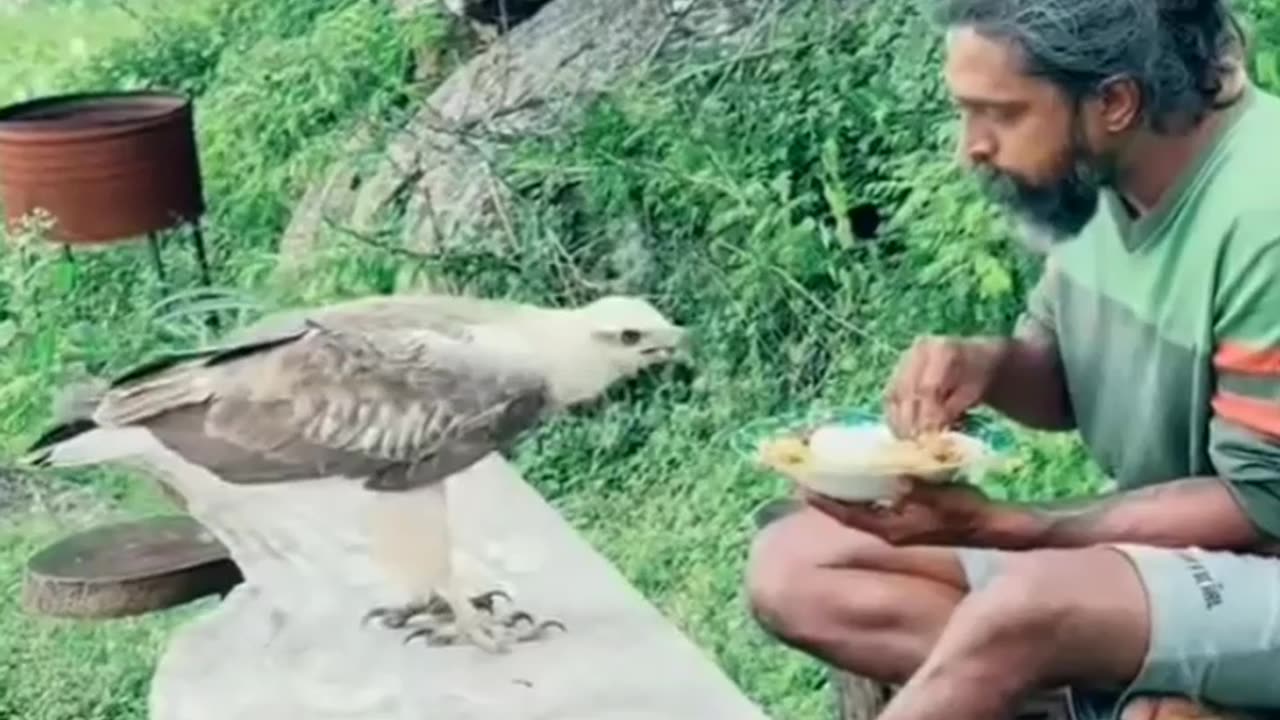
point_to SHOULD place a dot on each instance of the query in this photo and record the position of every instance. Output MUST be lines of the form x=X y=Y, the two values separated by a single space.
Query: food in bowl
x=868 y=463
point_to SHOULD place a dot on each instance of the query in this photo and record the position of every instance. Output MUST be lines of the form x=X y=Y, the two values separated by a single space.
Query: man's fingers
x=900 y=392
x=932 y=417
x=944 y=414
x=893 y=415
x=919 y=410
x=931 y=388
x=964 y=399
x=937 y=371
x=937 y=392
x=851 y=514
x=923 y=412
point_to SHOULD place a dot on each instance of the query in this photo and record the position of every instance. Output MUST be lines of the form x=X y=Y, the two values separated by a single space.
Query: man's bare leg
x=850 y=598
x=884 y=612
x=1051 y=617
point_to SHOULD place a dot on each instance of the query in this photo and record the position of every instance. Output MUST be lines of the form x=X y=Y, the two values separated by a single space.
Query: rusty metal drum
x=106 y=166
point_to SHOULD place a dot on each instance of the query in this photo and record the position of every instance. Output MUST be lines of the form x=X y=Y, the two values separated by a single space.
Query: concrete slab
x=288 y=642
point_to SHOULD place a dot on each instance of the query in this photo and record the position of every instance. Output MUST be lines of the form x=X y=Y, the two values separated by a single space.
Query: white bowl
x=841 y=463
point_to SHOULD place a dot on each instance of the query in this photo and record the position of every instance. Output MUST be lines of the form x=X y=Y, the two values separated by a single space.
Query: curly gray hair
x=1180 y=53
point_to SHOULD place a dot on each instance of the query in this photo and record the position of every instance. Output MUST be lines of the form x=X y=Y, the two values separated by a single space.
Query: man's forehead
x=983 y=69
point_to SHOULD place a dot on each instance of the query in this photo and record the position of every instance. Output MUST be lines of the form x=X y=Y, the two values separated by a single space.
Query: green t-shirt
x=1168 y=325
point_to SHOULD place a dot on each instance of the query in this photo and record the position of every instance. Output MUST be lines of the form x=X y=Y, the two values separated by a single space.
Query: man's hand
x=938 y=380
x=1199 y=511
x=952 y=514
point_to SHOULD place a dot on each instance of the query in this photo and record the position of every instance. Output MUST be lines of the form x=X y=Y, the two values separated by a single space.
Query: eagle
x=395 y=392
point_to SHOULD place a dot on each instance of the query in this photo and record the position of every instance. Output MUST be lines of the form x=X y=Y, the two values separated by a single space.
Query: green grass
x=42 y=40
x=742 y=175
x=65 y=668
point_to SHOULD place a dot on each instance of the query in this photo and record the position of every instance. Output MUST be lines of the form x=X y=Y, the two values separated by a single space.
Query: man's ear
x=1120 y=101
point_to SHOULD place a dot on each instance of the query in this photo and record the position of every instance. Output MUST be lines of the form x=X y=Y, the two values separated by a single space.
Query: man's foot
x=483 y=624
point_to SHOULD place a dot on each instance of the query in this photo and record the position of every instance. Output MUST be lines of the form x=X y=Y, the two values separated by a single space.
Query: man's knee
x=771 y=581
x=1024 y=589
x=1037 y=590
x=1041 y=599
x=787 y=572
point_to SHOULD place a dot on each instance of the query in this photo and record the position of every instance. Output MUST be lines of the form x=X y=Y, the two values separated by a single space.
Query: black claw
x=386 y=614
x=516 y=617
x=397 y=617
x=541 y=630
x=419 y=633
x=484 y=601
x=551 y=623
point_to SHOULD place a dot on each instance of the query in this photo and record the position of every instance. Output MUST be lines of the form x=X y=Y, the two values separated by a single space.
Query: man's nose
x=977 y=148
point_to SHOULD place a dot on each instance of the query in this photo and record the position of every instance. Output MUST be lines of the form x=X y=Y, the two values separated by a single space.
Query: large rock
x=434 y=185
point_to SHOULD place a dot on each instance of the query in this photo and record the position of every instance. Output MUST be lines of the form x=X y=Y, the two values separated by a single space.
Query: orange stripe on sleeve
x=1237 y=358
x=1260 y=416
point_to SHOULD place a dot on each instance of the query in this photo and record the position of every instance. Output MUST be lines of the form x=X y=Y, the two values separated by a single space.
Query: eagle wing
x=398 y=405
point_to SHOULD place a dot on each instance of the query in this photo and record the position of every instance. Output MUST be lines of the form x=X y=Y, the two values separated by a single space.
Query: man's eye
x=1005 y=114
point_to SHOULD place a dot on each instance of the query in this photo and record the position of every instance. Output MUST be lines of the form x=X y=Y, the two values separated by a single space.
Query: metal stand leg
x=70 y=260
x=154 y=243
x=197 y=239
x=206 y=277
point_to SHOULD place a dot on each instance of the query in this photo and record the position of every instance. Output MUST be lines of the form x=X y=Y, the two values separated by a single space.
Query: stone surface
x=288 y=642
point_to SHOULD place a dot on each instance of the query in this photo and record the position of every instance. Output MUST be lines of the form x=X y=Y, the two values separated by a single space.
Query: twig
x=675 y=19
x=804 y=293
x=761 y=54
x=435 y=258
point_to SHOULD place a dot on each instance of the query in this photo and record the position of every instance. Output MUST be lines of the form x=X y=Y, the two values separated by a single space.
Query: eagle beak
x=682 y=351
x=677 y=351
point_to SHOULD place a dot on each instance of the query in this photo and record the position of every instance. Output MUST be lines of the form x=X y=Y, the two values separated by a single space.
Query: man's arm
x=1029 y=385
x=1239 y=509
x=1200 y=511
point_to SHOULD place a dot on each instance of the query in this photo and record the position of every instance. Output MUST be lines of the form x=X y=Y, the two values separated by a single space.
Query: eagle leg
x=410 y=541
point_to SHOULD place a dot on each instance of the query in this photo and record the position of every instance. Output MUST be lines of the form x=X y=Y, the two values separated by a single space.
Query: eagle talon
x=398 y=617
x=484 y=601
x=432 y=636
x=419 y=633
x=514 y=618
x=535 y=629
x=539 y=630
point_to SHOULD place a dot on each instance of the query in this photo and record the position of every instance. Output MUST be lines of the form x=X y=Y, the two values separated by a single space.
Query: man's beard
x=1058 y=210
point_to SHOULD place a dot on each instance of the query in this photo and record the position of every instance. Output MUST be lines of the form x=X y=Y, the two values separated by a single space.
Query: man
x=1113 y=130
